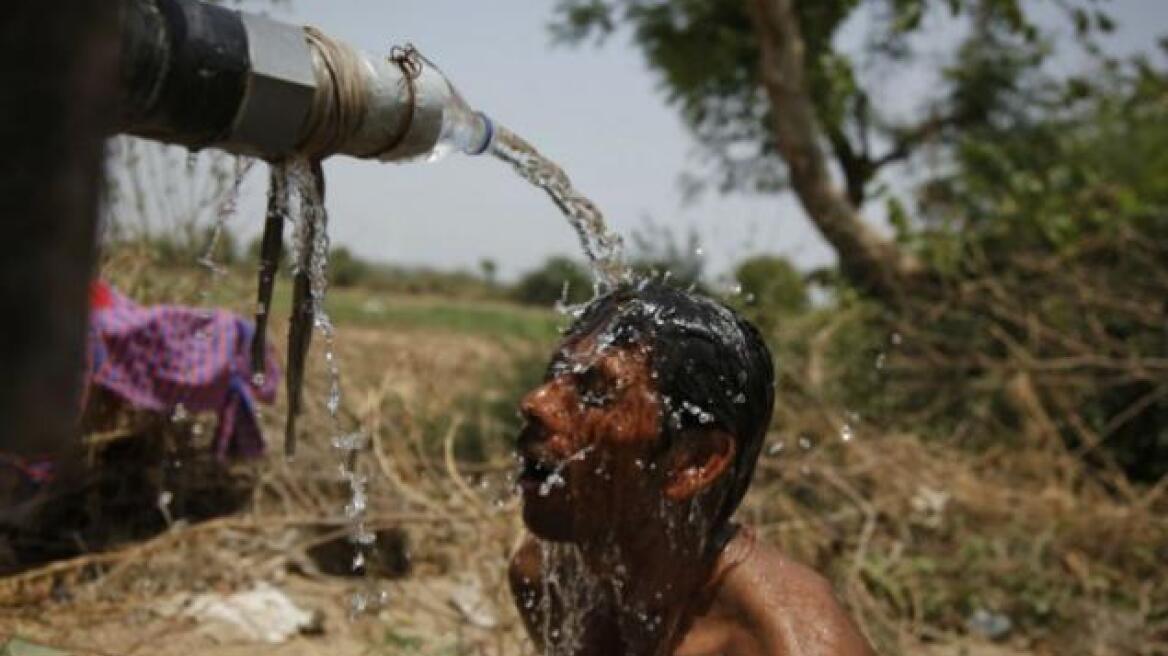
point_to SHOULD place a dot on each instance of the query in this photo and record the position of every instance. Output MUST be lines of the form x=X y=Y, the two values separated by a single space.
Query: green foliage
x=346 y=269
x=657 y=251
x=489 y=268
x=707 y=56
x=1044 y=225
x=1089 y=165
x=771 y=288
x=1051 y=236
x=369 y=306
x=251 y=254
x=558 y=279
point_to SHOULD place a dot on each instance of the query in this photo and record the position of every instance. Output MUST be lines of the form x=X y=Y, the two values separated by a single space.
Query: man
x=638 y=448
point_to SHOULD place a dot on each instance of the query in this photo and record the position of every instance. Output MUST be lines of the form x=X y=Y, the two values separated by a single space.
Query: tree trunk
x=868 y=260
x=59 y=64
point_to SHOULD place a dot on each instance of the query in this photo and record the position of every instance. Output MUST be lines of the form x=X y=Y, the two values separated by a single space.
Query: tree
x=777 y=104
x=770 y=288
x=489 y=268
x=658 y=251
x=557 y=279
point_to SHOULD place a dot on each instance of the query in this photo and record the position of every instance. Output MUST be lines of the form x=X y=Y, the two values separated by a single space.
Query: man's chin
x=552 y=527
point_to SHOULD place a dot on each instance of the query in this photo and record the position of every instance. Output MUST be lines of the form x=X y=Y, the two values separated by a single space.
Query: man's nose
x=547 y=405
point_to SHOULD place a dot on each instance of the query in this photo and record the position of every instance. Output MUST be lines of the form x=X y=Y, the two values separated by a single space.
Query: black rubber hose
x=184 y=67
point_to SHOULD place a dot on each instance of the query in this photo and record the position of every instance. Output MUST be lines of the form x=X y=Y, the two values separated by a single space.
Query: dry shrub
x=1030 y=346
x=917 y=534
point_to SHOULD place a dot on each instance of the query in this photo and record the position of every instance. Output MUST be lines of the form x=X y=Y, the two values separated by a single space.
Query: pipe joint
x=279 y=91
x=201 y=75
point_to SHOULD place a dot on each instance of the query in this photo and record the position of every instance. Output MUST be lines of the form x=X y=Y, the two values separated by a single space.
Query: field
x=935 y=549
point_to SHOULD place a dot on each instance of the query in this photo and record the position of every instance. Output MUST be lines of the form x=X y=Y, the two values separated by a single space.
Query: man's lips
x=537 y=464
x=535 y=471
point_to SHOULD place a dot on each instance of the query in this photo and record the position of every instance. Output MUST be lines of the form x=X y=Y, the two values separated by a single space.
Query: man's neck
x=655 y=577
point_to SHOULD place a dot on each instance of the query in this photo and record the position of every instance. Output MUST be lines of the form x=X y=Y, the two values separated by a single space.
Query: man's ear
x=696 y=461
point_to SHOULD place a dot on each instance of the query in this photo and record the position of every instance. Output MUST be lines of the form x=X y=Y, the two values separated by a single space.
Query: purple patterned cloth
x=156 y=358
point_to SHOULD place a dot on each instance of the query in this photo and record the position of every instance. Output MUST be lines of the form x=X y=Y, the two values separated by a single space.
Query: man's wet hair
x=712 y=367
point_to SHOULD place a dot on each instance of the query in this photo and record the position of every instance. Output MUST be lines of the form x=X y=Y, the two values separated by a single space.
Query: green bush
x=770 y=288
x=558 y=278
x=346 y=269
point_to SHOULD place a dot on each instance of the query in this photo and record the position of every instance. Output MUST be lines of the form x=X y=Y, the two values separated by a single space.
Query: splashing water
x=556 y=478
x=605 y=250
x=226 y=209
x=570 y=588
x=223 y=213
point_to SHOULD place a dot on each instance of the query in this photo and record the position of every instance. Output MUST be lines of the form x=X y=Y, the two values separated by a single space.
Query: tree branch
x=868 y=260
x=909 y=139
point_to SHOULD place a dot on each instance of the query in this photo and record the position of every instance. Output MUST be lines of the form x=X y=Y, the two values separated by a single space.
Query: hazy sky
x=596 y=111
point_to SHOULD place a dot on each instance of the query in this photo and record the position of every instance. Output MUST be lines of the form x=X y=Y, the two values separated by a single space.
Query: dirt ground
x=918 y=538
x=396 y=384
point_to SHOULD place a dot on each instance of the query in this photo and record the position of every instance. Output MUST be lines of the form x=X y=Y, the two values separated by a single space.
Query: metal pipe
x=203 y=76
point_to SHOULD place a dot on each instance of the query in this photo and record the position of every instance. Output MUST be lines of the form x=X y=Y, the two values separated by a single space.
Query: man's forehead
x=592 y=351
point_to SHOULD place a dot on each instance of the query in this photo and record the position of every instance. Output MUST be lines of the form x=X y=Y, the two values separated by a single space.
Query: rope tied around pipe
x=340 y=103
x=407 y=60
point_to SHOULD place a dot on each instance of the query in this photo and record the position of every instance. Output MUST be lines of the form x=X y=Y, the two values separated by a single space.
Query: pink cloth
x=156 y=358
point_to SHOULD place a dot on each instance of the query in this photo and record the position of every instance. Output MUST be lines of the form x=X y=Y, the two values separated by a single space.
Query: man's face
x=590 y=443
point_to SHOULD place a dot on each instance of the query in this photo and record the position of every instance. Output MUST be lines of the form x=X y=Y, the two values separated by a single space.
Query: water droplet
x=740 y=398
x=846 y=433
x=258 y=379
x=776 y=448
x=354 y=441
x=806 y=442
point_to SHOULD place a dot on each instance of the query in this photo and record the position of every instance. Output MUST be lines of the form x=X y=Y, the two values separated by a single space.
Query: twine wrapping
x=339 y=105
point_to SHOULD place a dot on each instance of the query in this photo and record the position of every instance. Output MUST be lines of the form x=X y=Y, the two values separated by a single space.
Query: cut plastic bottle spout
x=463 y=129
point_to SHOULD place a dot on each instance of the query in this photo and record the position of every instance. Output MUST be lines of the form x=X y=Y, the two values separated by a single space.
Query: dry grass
x=917 y=536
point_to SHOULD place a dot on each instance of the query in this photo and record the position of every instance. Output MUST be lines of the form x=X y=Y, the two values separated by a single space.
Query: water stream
x=310 y=252
x=604 y=249
x=226 y=209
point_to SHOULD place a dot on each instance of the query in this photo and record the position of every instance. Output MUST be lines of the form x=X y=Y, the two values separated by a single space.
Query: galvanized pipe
x=204 y=76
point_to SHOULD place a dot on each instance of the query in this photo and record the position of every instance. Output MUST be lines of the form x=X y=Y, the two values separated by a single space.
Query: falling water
x=311 y=248
x=605 y=250
x=569 y=592
x=223 y=213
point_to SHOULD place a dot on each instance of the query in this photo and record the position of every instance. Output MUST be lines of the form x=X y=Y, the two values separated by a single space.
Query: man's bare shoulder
x=786 y=604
